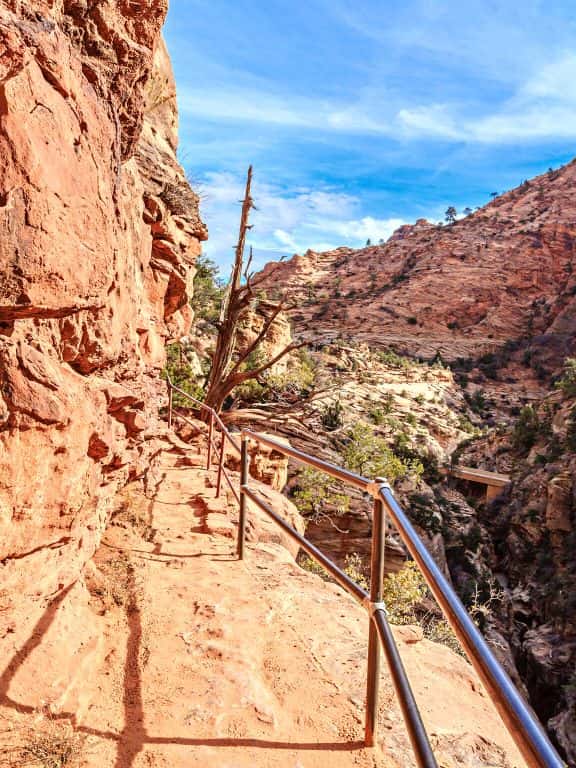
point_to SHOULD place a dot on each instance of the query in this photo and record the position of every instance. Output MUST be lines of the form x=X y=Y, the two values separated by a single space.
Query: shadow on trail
x=144 y=554
x=42 y=626
x=315 y=746
x=133 y=736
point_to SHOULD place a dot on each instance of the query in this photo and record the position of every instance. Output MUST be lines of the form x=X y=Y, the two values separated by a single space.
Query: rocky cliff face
x=99 y=232
x=503 y=273
x=525 y=542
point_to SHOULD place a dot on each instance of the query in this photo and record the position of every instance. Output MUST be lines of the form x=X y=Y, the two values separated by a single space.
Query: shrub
x=392 y=359
x=405 y=594
x=251 y=391
x=388 y=402
x=526 y=430
x=465 y=425
x=369 y=455
x=568 y=381
x=208 y=290
x=331 y=415
x=354 y=568
x=308 y=564
x=377 y=416
x=488 y=364
x=477 y=401
x=423 y=514
x=473 y=538
x=402 y=592
x=297 y=382
x=180 y=372
x=315 y=492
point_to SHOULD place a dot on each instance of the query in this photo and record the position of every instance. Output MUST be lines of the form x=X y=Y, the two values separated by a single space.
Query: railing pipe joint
x=373 y=606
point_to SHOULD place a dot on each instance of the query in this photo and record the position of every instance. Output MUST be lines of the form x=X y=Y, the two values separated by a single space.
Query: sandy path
x=209 y=667
x=183 y=656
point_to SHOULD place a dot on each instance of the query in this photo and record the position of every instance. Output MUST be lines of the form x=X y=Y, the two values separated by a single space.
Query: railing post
x=220 y=463
x=376 y=579
x=244 y=466
x=170 y=396
x=210 y=433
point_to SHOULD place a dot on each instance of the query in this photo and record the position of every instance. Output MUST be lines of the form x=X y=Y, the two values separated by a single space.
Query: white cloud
x=285 y=239
x=285 y=222
x=367 y=228
x=432 y=121
x=263 y=106
x=543 y=106
x=555 y=80
x=536 y=122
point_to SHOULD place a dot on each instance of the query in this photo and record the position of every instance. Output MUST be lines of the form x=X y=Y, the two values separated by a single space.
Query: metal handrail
x=522 y=724
x=214 y=420
x=520 y=721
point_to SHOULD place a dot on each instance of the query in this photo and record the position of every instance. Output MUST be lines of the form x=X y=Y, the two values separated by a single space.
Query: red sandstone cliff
x=505 y=272
x=99 y=232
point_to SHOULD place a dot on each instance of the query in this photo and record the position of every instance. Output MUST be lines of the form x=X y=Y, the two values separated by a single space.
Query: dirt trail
x=213 y=670
x=183 y=656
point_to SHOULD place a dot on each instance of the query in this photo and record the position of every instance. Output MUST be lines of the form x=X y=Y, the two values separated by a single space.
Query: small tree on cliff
x=451 y=214
x=230 y=365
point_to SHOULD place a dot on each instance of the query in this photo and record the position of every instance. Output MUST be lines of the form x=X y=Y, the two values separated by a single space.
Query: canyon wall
x=503 y=273
x=99 y=232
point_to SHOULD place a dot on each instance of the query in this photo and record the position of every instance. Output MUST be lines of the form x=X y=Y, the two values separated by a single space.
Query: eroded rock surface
x=99 y=232
x=503 y=273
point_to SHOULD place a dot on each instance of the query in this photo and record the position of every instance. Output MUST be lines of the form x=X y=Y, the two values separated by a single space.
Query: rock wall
x=99 y=232
x=505 y=272
x=526 y=544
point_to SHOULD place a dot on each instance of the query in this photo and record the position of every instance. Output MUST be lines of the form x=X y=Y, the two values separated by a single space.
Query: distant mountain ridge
x=503 y=273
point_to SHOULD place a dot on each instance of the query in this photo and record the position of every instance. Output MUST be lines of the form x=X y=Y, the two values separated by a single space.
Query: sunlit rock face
x=504 y=272
x=99 y=232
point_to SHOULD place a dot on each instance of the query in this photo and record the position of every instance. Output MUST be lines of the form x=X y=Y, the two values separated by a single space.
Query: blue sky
x=360 y=115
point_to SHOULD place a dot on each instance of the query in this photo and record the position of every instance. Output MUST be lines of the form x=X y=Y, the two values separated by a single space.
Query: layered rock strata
x=99 y=231
x=505 y=272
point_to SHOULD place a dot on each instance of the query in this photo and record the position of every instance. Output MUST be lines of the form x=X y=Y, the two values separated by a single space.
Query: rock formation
x=99 y=235
x=504 y=273
x=525 y=543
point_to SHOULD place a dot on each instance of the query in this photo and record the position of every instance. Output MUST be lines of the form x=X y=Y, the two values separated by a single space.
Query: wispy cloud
x=543 y=107
x=359 y=114
x=285 y=222
x=260 y=106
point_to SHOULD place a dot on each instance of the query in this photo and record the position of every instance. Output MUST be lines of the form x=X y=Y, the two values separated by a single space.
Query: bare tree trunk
x=228 y=368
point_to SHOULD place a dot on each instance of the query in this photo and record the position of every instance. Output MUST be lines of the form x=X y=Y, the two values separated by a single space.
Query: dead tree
x=228 y=368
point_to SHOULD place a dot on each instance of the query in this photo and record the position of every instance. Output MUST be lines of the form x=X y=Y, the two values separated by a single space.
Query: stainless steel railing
x=215 y=426
x=522 y=724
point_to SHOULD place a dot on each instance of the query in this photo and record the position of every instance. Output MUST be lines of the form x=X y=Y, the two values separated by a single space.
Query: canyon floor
x=178 y=654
